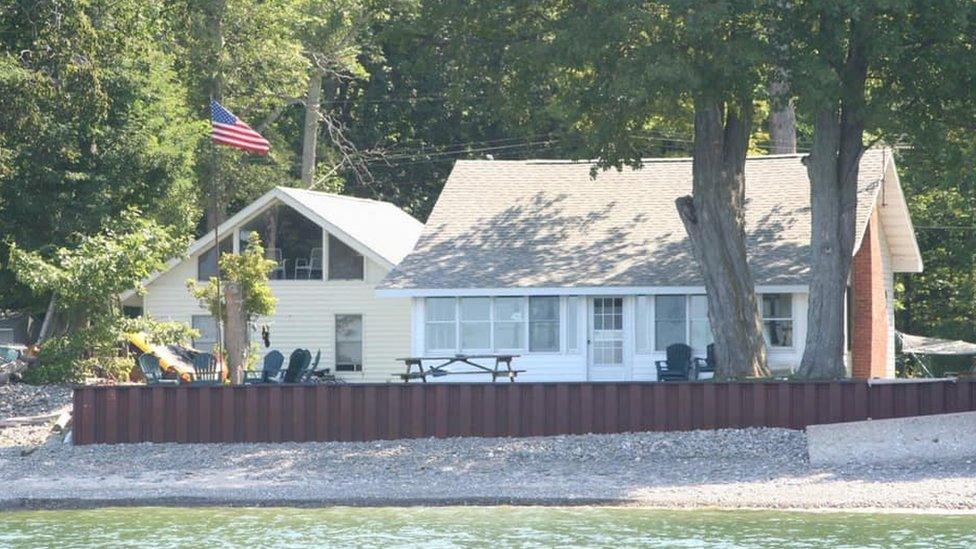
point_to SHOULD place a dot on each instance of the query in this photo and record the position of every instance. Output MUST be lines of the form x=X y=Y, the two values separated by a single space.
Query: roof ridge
x=336 y=195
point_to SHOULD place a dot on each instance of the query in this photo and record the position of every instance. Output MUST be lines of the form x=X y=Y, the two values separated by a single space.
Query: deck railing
x=283 y=413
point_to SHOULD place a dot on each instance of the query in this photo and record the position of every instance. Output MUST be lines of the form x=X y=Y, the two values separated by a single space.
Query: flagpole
x=216 y=221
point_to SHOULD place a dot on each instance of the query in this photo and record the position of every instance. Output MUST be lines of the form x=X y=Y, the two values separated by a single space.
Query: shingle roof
x=504 y=224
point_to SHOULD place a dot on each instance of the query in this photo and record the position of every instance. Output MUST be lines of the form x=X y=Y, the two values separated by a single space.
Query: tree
x=615 y=70
x=842 y=57
x=88 y=278
x=94 y=122
x=247 y=274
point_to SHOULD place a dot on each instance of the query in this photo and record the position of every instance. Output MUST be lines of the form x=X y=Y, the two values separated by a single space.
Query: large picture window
x=777 y=314
x=501 y=324
x=349 y=343
x=344 y=262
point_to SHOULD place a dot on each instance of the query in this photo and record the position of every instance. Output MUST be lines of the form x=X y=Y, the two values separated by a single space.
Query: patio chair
x=151 y=370
x=677 y=365
x=310 y=371
x=312 y=265
x=707 y=364
x=298 y=364
x=279 y=272
x=270 y=370
x=205 y=370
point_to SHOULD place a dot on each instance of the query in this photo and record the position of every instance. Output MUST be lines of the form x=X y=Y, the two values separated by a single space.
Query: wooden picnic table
x=439 y=369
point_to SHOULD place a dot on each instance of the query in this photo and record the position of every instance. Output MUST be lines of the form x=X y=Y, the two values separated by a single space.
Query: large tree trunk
x=235 y=337
x=311 y=130
x=838 y=143
x=715 y=221
x=782 y=116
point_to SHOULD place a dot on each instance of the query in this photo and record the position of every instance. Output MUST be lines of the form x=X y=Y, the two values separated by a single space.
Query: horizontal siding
x=305 y=316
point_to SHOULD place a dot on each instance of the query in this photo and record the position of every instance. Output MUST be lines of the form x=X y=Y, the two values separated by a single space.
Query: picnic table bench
x=438 y=370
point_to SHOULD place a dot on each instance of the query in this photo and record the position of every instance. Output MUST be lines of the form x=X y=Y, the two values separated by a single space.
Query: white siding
x=305 y=316
x=567 y=365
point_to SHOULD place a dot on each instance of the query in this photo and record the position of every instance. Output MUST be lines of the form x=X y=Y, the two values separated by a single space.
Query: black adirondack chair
x=707 y=364
x=298 y=364
x=270 y=371
x=678 y=364
x=310 y=371
x=152 y=371
x=205 y=370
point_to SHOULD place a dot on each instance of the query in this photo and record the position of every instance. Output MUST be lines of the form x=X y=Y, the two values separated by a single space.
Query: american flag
x=227 y=129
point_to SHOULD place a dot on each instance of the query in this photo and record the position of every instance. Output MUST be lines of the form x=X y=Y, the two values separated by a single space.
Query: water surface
x=160 y=527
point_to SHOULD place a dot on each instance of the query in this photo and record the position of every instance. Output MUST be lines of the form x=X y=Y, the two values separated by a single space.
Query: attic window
x=344 y=262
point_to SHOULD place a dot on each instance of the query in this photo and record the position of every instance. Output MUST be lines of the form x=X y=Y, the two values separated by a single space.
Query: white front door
x=606 y=338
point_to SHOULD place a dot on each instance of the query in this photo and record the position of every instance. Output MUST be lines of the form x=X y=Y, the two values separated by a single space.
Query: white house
x=592 y=278
x=332 y=251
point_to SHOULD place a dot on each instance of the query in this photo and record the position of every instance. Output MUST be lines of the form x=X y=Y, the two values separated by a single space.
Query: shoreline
x=14 y=505
x=721 y=470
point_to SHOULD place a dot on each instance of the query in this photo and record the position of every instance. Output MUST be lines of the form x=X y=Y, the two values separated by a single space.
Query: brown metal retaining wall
x=115 y=414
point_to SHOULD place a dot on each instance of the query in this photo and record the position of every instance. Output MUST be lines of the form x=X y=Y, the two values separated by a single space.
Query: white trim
x=583 y=290
x=247 y=214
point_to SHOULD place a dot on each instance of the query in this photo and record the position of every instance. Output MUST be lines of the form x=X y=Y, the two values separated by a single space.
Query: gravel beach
x=749 y=468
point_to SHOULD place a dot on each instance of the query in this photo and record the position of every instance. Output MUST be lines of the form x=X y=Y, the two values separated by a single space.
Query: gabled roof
x=549 y=224
x=378 y=230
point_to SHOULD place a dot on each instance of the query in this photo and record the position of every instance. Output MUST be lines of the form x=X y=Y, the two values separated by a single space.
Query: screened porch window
x=670 y=315
x=544 y=324
x=207 y=261
x=475 y=323
x=344 y=262
x=440 y=327
x=291 y=240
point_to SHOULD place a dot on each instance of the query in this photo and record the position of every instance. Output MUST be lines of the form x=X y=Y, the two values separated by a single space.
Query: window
x=349 y=343
x=509 y=323
x=344 y=262
x=572 y=324
x=777 y=314
x=476 y=323
x=669 y=321
x=544 y=324
x=698 y=327
x=440 y=324
x=6 y=335
x=207 y=327
x=207 y=261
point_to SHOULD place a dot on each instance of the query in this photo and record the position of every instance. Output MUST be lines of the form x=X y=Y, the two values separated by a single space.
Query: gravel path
x=730 y=468
x=19 y=400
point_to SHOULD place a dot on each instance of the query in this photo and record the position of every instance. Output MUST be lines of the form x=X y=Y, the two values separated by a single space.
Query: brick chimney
x=869 y=318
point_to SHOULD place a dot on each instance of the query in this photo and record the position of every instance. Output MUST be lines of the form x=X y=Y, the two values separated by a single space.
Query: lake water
x=160 y=527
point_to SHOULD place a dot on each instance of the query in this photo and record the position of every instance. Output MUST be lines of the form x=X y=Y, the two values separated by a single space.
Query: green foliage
x=250 y=271
x=87 y=280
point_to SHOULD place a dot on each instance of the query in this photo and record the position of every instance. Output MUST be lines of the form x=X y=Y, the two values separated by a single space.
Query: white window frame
x=362 y=343
x=651 y=321
x=460 y=326
x=790 y=318
x=525 y=327
x=455 y=322
x=560 y=321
